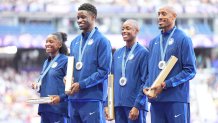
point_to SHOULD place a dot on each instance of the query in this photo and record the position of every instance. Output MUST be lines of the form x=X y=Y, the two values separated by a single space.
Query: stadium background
x=24 y=25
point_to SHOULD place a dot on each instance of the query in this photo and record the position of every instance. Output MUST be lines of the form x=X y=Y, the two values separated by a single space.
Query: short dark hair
x=88 y=7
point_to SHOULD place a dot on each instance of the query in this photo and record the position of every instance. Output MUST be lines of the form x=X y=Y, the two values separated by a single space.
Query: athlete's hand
x=146 y=91
x=106 y=113
x=55 y=99
x=34 y=85
x=153 y=92
x=159 y=88
x=75 y=87
x=134 y=113
x=149 y=93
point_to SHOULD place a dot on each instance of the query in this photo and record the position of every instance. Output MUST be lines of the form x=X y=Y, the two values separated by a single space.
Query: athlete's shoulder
x=100 y=36
x=183 y=37
x=63 y=57
x=76 y=39
x=153 y=41
x=119 y=50
x=143 y=51
x=181 y=33
x=142 y=47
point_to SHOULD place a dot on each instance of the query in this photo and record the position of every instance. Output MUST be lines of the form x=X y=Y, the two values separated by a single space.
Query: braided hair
x=61 y=36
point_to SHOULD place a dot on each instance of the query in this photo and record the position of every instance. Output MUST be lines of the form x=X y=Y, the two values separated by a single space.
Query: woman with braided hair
x=51 y=80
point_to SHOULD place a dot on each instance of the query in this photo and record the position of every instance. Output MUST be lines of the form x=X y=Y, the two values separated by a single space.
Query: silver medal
x=90 y=42
x=54 y=65
x=162 y=64
x=79 y=65
x=123 y=81
x=131 y=57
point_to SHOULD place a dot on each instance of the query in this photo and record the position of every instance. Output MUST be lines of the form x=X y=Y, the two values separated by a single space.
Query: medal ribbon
x=163 y=52
x=124 y=62
x=46 y=70
x=81 y=52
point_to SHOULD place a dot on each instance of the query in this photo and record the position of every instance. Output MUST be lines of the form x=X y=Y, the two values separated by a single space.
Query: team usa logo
x=131 y=57
x=171 y=41
x=90 y=42
x=54 y=65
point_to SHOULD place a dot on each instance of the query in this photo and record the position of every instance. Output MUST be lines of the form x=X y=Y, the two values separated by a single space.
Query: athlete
x=92 y=52
x=171 y=105
x=130 y=70
x=51 y=80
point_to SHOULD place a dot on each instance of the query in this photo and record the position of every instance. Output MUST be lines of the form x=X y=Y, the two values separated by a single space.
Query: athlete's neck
x=129 y=44
x=166 y=29
x=52 y=55
x=89 y=29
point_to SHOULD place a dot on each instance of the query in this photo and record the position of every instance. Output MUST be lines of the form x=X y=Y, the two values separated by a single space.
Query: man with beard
x=171 y=105
x=129 y=67
x=92 y=53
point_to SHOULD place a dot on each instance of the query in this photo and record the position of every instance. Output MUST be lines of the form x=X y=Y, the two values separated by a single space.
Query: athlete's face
x=129 y=31
x=85 y=20
x=52 y=45
x=166 y=18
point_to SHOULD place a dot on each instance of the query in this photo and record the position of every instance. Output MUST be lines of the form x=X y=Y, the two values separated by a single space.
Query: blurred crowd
x=204 y=96
x=65 y=6
x=207 y=58
x=27 y=31
x=14 y=92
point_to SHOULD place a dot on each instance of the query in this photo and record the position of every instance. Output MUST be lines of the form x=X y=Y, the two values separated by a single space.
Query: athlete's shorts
x=86 y=112
x=48 y=117
x=170 y=112
x=122 y=114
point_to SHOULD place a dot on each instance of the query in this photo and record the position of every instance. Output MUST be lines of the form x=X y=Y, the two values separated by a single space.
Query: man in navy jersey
x=92 y=53
x=171 y=105
x=129 y=67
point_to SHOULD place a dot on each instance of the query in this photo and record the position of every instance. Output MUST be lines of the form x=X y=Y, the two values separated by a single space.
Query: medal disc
x=54 y=65
x=79 y=65
x=123 y=81
x=162 y=64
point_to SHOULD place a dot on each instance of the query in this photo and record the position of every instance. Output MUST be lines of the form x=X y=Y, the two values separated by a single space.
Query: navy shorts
x=122 y=114
x=170 y=112
x=48 y=117
x=86 y=112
